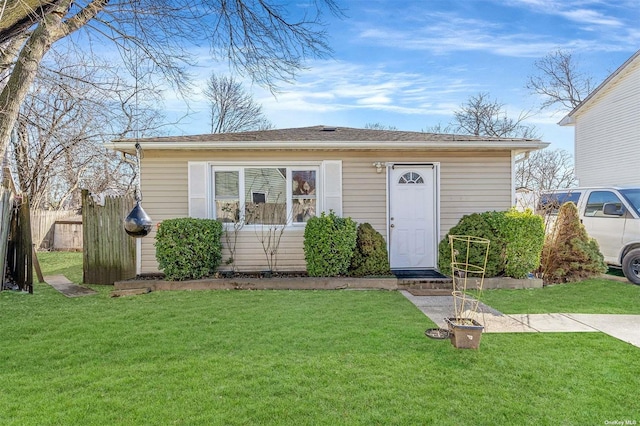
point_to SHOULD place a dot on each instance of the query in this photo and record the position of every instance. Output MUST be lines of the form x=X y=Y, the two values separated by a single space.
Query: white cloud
x=587 y=16
x=447 y=33
x=342 y=86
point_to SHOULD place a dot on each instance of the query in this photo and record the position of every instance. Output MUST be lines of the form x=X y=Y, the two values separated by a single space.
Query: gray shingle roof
x=327 y=133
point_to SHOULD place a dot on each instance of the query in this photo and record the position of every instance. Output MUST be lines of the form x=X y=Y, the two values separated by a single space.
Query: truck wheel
x=631 y=266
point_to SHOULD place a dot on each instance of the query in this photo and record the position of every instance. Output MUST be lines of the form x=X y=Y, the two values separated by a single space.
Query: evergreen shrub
x=569 y=253
x=329 y=242
x=516 y=240
x=370 y=256
x=188 y=248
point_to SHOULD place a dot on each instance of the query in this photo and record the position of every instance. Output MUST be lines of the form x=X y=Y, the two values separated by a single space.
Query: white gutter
x=519 y=147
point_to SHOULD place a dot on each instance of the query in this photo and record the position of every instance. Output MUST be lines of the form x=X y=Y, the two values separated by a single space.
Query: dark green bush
x=188 y=248
x=524 y=234
x=329 y=242
x=478 y=225
x=516 y=241
x=370 y=256
x=569 y=253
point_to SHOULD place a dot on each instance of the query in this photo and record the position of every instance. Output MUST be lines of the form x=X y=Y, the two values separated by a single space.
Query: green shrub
x=370 y=256
x=329 y=242
x=569 y=254
x=481 y=225
x=524 y=233
x=188 y=248
x=516 y=241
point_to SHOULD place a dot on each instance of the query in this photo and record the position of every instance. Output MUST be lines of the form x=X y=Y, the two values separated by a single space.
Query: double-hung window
x=265 y=195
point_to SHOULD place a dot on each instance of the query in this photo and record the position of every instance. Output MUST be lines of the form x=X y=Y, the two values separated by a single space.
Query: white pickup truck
x=611 y=216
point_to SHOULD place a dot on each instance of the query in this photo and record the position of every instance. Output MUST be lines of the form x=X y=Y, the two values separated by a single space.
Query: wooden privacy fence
x=6 y=202
x=15 y=241
x=42 y=223
x=109 y=254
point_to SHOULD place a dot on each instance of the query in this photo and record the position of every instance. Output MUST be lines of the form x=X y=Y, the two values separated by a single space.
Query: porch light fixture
x=378 y=165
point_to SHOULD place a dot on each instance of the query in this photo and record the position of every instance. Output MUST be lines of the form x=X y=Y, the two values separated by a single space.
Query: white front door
x=412 y=216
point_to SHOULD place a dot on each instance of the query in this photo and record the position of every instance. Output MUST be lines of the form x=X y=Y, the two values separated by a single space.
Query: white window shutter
x=198 y=189
x=332 y=186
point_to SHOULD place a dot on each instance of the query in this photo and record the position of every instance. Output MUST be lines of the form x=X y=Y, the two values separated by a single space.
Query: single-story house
x=607 y=130
x=412 y=187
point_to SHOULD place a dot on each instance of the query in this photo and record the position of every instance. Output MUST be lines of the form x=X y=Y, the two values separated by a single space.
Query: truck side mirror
x=612 y=209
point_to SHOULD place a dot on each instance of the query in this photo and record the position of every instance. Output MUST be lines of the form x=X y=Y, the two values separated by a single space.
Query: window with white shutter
x=332 y=186
x=197 y=182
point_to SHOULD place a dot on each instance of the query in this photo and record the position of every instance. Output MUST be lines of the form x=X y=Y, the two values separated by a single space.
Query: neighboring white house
x=607 y=130
x=412 y=187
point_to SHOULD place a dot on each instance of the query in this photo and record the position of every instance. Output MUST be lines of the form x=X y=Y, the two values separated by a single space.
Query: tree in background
x=541 y=170
x=257 y=38
x=482 y=116
x=232 y=108
x=379 y=126
x=546 y=169
x=559 y=81
x=72 y=109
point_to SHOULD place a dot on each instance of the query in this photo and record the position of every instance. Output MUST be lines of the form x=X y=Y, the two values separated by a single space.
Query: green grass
x=61 y=262
x=596 y=296
x=291 y=357
x=296 y=358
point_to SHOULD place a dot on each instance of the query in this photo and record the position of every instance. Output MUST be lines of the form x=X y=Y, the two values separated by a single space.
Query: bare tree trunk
x=51 y=29
x=25 y=71
x=18 y=15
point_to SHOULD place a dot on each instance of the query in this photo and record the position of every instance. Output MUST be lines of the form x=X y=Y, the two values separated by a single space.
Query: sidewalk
x=623 y=327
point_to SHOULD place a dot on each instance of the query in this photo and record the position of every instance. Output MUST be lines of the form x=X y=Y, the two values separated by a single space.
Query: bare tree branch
x=232 y=108
x=482 y=116
x=17 y=16
x=559 y=81
x=545 y=170
x=258 y=38
x=64 y=121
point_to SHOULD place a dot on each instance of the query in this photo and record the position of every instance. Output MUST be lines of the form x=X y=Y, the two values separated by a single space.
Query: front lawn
x=596 y=296
x=291 y=357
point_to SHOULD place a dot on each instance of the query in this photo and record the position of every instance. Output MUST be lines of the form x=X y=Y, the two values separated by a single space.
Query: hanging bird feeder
x=138 y=223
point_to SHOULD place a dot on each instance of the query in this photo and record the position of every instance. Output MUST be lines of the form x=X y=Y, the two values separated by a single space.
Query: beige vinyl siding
x=608 y=135
x=469 y=182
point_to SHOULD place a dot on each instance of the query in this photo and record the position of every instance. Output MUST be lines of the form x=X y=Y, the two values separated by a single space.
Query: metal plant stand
x=468 y=265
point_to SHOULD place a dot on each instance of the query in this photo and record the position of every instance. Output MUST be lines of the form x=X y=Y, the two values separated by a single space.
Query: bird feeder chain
x=139 y=156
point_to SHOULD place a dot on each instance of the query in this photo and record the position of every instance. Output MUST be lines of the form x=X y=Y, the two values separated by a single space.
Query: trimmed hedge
x=370 y=256
x=188 y=248
x=516 y=240
x=329 y=242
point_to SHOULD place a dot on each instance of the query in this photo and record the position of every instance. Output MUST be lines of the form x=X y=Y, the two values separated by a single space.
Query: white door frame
x=436 y=224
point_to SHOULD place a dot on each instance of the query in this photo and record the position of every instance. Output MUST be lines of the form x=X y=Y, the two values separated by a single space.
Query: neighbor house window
x=265 y=195
x=270 y=195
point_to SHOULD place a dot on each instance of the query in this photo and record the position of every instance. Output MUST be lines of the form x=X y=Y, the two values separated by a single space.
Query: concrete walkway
x=623 y=327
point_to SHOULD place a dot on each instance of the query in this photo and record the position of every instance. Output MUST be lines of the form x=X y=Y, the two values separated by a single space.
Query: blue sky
x=410 y=64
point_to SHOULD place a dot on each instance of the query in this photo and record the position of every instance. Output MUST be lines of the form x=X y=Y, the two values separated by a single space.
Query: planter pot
x=464 y=333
